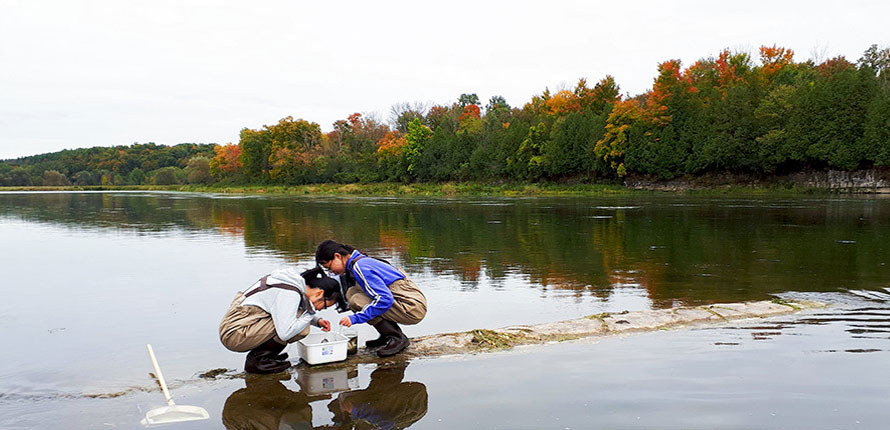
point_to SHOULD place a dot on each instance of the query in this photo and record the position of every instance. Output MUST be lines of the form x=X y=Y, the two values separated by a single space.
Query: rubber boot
x=380 y=341
x=264 y=359
x=397 y=340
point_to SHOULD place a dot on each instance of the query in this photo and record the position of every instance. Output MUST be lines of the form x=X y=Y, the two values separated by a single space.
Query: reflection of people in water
x=387 y=403
x=268 y=405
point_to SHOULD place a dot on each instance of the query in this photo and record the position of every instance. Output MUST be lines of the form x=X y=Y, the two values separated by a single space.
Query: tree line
x=137 y=164
x=726 y=113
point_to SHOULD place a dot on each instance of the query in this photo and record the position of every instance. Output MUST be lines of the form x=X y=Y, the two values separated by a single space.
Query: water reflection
x=266 y=404
x=388 y=402
x=676 y=249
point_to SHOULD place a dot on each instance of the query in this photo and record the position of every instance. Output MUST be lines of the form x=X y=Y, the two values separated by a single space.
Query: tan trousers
x=246 y=327
x=409 y=303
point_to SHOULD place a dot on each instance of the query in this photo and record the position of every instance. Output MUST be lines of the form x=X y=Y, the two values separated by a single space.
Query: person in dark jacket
x=382 y=296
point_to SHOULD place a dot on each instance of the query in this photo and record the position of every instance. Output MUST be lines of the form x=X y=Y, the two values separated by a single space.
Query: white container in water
x=321 y=348
x=326 y=382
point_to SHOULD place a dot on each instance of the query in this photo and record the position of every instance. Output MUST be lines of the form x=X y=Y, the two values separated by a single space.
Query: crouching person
x=275 y=311
x=382 y=295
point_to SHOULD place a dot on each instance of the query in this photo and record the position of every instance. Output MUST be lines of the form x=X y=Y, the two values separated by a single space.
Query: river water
x=90 y=278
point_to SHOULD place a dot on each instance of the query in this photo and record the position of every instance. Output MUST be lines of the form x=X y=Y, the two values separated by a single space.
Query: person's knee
x=236 y=343
x=413 y=319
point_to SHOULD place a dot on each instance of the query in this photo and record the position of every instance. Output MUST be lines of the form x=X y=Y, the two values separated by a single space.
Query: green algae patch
x=713 y=312
x=213 y=373
x=601 y=318
x=487 y=340
x=786 y=303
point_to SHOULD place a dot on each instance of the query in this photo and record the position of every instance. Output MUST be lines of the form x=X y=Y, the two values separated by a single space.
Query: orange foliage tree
x=227 y=160
x=773 y=59
x=390 y=155
x=562 y=103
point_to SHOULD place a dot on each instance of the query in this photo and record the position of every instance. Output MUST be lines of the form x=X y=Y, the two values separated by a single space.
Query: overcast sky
x=77 y=74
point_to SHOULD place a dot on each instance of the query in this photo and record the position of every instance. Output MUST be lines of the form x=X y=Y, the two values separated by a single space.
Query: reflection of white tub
x=321 y=348
x=326 y=382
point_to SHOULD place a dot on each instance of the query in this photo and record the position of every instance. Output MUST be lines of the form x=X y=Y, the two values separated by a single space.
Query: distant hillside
x=137 y=164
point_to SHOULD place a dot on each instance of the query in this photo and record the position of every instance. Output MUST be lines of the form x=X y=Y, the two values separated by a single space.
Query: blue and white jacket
x=374 y=277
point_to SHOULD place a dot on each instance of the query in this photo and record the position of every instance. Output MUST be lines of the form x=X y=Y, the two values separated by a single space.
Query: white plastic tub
x=317 y=382
x=321 y=348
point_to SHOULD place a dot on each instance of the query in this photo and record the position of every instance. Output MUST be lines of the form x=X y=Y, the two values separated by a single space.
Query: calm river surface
x=90 y=278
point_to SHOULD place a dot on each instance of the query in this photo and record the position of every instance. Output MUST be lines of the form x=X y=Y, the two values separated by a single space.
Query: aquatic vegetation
x=785 y=303
x=491 y=340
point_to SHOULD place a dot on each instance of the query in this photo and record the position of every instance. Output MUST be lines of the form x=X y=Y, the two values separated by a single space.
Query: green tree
x=402 y=114
x=256 y=146
x=83 y=178
x=19 y=176
x=878 y=60
x=415 y=141
x=496 y=104
x=570 y=149
x=531 y=150
x=52 y=178
x=136 y=177
x=467 y=99
x=773 y=145
x=198 y=170
x=830 y=114
x=165 y=176
x=877 y=129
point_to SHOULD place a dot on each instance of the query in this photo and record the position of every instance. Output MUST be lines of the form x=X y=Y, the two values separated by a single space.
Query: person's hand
x=324 y=324
x=346 y=322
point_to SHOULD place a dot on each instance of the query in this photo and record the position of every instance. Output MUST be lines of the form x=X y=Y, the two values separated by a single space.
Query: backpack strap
x=264 y=286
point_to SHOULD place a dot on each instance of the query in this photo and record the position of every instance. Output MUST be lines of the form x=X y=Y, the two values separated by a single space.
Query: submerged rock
x=604 y=324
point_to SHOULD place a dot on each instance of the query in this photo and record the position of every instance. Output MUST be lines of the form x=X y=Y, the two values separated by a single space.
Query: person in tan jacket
x=277 y=310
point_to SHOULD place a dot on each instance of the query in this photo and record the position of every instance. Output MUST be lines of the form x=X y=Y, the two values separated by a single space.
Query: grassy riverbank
x=448 y=189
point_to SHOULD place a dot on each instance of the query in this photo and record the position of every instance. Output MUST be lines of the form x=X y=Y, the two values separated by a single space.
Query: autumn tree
x=390 y=156
x=293 y=149
x=227 y=161
x=599 y=99
x=774 y=59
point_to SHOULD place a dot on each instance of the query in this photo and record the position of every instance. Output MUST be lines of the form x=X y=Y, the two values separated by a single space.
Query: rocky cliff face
x=859 y=181
x=876 y=181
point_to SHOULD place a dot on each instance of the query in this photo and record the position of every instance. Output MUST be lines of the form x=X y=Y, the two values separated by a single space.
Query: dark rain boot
x=264 y=359
x=380 y=341
x=397 y=340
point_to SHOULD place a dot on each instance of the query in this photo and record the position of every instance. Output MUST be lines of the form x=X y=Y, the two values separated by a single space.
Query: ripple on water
x=862 y=316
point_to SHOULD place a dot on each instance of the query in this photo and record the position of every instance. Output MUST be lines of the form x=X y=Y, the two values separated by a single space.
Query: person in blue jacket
x=382 y=296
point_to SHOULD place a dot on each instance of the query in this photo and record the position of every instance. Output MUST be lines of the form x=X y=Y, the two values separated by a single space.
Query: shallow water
x=91 y=277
